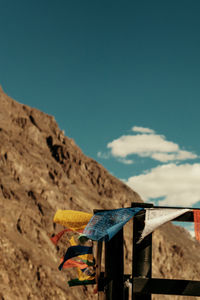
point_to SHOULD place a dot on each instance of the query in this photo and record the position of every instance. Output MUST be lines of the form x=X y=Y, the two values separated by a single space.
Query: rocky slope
x=42 y=170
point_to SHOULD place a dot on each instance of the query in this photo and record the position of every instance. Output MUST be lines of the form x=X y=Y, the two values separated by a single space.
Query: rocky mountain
x=41 y=170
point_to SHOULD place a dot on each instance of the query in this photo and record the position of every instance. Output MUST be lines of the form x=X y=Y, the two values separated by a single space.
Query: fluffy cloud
x=148 y=144
x=177 y=185
x=141 y=144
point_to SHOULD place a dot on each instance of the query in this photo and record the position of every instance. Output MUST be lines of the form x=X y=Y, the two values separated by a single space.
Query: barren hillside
x=42 y=170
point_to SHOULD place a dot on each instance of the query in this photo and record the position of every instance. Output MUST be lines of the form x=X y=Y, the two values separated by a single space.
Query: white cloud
x=141 y=144
x=142 y=129
x=103 y=155
x=126 y=161
x=180 y=155
x=178 y=185
x=148 y=145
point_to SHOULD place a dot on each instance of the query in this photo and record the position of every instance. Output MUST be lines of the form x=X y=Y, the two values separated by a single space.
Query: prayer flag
x=155 y=217
x=85 y=258
x=72 y=219
x=86 y=274
x=196 y=214
x=105 y=224
x=75 y=251
x=55 y=239
x=76 y=281
x=70 y=263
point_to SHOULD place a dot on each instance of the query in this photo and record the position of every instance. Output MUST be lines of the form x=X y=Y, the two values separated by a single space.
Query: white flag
x=155 y=217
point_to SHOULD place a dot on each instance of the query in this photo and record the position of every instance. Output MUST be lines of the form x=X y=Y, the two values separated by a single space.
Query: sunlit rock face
x=42 y=170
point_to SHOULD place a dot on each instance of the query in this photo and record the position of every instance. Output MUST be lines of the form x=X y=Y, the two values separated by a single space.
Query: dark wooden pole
x=142 y=252
x=114 y=267
x=99 y=280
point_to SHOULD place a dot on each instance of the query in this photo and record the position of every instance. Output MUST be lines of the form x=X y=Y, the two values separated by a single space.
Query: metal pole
x=142 y=252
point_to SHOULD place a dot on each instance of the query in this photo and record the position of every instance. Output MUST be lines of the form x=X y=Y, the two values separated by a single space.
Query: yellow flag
x=85 y=276
x=72 y=219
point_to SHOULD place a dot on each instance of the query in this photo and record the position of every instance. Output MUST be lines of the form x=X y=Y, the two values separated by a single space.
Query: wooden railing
x=143 y=285
x=111 y=282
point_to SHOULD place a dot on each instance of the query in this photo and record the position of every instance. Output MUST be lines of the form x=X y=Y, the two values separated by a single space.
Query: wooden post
x=142 y=252
x=100 y=288
x=114 y=267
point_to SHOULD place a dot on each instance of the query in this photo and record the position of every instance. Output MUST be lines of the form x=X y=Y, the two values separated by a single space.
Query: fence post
x=99 y=279
x=114 y=267
x=142 y=252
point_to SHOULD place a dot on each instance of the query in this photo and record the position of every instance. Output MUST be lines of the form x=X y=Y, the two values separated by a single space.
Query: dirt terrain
x=41 y=170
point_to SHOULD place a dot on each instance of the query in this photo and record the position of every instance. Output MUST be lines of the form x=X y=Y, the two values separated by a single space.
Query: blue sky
x=121 y=78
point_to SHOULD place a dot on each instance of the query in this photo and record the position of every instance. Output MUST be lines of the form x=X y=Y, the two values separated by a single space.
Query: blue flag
x=105 y=224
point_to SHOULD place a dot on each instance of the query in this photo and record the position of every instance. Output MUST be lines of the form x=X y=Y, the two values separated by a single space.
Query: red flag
x=57 y=237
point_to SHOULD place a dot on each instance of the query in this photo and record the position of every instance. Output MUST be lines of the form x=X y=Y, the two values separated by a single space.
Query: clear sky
x=122 y=78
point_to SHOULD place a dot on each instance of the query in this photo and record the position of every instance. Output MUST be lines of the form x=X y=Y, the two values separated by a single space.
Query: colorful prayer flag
x=105 y=224
x=196 y=214
x=72 y=219
x=76 y=281
x=75 y=251
x=85 y=258
x=86 y=274
x=70 y=263
x=55 y=239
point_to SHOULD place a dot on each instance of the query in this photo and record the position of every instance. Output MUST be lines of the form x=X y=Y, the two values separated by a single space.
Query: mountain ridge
x=42 y=170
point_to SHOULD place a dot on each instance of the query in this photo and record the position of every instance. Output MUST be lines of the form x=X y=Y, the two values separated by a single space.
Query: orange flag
x=197 y=223
x=58 y=236
x=70 y=263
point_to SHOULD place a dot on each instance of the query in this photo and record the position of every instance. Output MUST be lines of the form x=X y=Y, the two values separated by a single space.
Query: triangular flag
x=155 y=217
